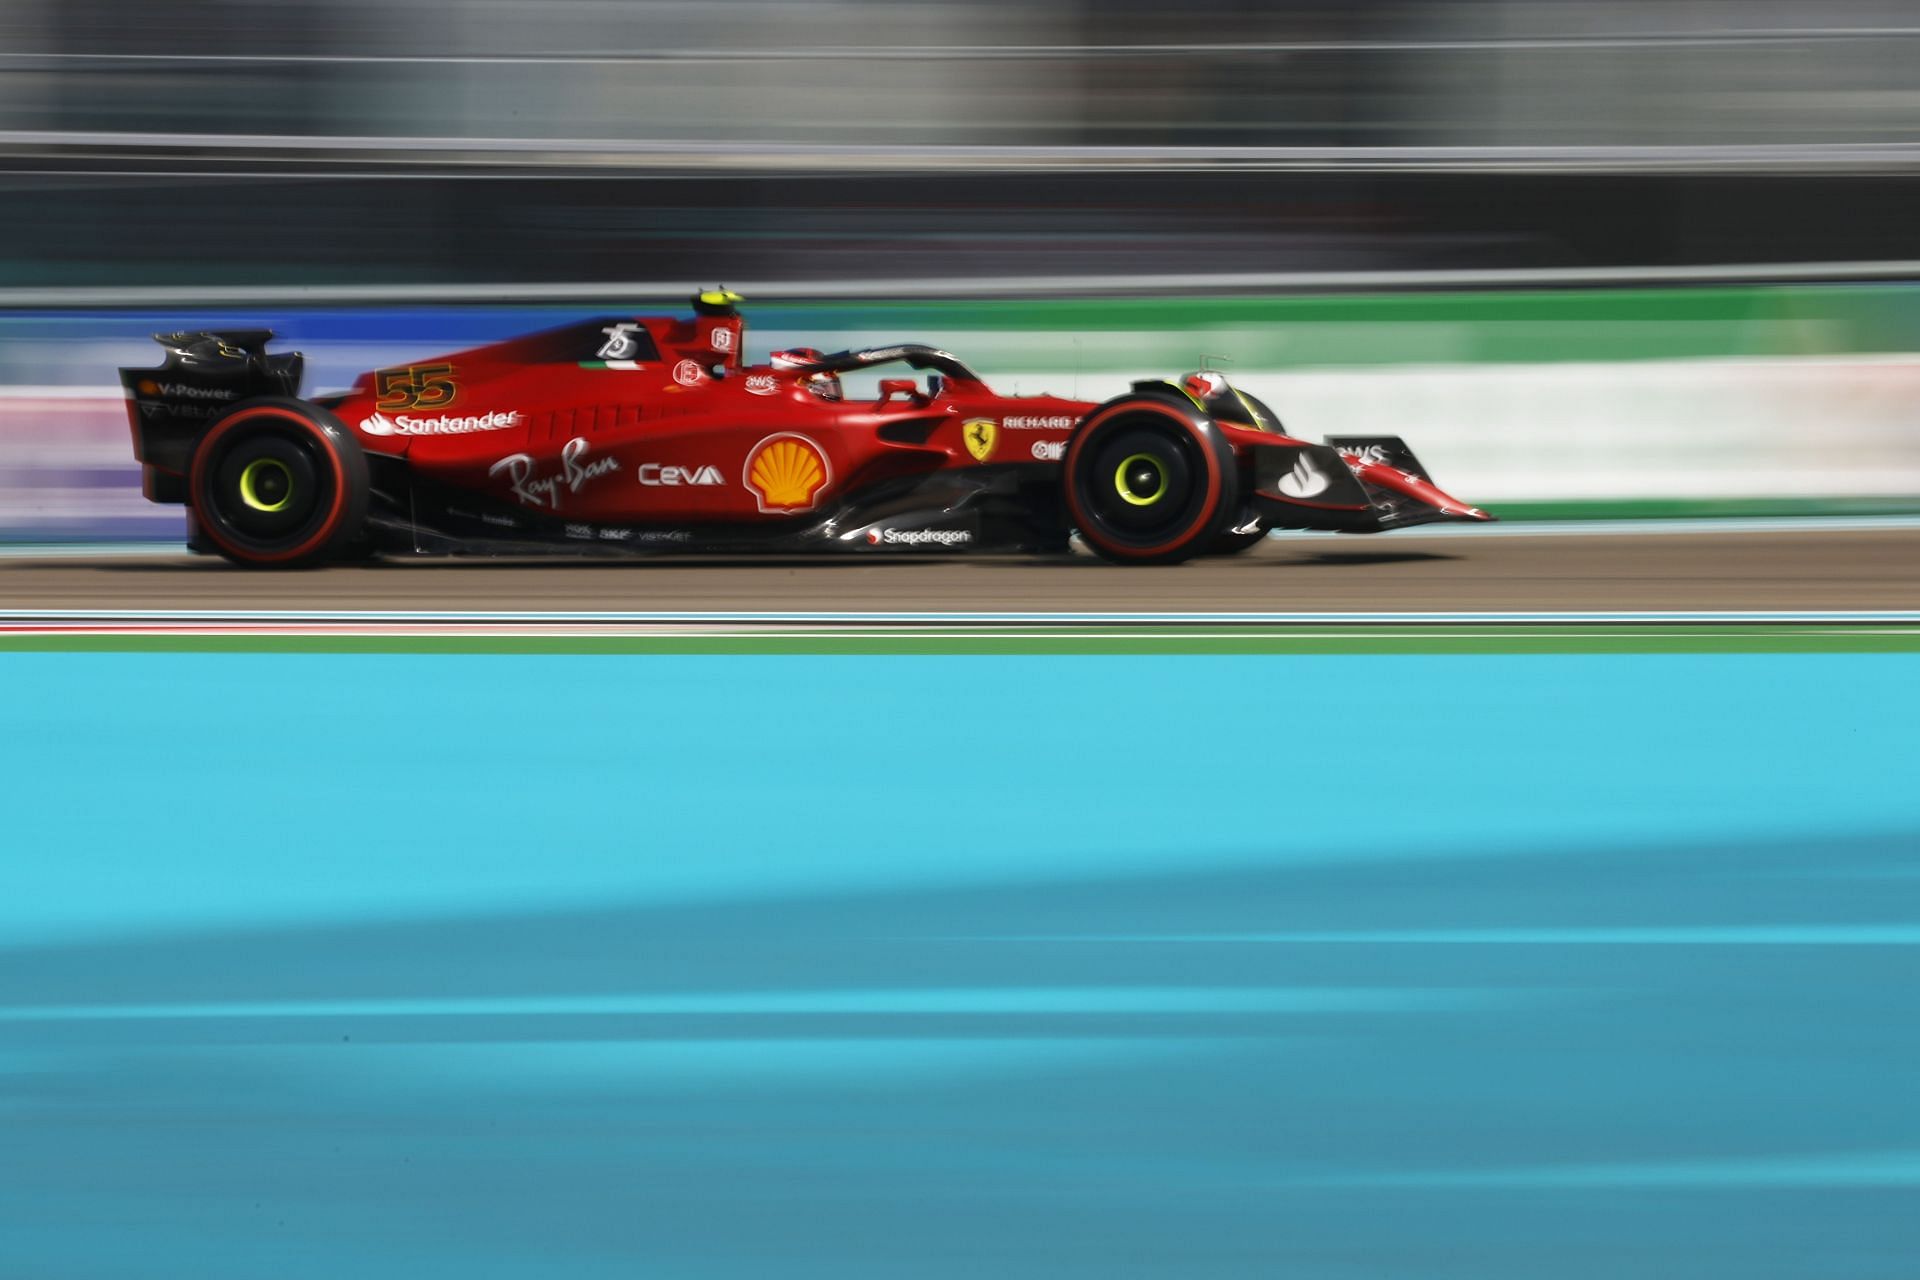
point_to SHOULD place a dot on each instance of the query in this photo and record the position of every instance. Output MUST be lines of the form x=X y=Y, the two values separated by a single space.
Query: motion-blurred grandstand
x=222 y=142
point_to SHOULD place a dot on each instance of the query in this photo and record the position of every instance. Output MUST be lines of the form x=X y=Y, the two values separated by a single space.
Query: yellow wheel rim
x=258 y=472
x=1123 y=483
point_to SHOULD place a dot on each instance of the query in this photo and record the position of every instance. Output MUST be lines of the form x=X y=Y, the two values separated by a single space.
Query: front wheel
x=279 y=483
x=1149 y=481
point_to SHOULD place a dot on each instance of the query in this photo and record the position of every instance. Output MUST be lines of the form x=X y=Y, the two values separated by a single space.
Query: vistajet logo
x=400 y=424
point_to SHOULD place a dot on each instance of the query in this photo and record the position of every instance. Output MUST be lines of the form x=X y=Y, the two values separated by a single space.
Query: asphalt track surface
x=1770 y=569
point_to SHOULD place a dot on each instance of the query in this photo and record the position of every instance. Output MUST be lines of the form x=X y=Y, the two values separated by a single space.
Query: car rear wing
x=205 y=373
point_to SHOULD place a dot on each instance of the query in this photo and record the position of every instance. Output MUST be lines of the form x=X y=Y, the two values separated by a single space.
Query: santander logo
x=400 y=424
x=1305 y=480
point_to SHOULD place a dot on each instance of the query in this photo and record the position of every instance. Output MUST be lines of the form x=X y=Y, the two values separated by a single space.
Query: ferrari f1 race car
x=651 y=434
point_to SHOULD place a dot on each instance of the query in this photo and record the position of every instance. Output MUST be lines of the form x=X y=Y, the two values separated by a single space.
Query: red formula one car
x=651 y=434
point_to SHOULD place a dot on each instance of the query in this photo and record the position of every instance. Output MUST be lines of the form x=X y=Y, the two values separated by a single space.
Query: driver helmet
x=824 y=385
x=1205 y=385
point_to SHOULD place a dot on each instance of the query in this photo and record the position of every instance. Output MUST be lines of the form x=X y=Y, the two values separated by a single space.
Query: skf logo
x=787 y=472
x=653 y=473
x=981 y=435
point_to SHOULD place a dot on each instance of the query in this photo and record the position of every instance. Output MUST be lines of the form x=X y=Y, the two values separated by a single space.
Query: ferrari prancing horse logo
x=981 y=434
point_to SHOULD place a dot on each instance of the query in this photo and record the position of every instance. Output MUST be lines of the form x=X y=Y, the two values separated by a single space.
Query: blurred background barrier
x=196 y=142
x=1541 y=403
x=1635 y=252
x=758 y=77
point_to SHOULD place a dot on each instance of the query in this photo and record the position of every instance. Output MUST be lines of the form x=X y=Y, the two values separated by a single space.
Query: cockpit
x=804 y=363
x=820 y=374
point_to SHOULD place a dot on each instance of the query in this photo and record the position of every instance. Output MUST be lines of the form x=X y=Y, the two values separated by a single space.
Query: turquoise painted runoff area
x=519 y=965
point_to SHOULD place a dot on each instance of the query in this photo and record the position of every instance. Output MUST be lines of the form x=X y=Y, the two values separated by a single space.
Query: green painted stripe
x=1549 y=639
x=1494 y=327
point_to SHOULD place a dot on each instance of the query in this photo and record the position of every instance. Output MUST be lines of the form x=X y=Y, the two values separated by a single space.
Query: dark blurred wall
x=349 y=141
x=925 y=226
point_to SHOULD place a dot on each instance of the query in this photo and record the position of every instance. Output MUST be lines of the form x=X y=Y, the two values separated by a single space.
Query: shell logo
x=787 y=472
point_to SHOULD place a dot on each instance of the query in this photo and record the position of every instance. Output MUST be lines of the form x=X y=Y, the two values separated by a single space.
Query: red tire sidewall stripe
x=1206 y=451
x=203 y=458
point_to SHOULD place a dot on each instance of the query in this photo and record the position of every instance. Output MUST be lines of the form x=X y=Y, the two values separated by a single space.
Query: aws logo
x=787 y=472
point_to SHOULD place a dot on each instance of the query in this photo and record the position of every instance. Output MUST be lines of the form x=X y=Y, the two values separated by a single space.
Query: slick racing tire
x=1149 y=480
x=279 y=483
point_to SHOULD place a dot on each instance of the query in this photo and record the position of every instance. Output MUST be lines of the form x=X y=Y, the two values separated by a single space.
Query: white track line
x=1626 y=528
x=23 y=618
x=905 y=636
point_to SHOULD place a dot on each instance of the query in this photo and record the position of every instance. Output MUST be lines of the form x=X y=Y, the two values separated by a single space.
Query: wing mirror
x=891 y=387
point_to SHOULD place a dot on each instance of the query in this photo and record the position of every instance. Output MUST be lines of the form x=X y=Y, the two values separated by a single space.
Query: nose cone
x=1413 y=486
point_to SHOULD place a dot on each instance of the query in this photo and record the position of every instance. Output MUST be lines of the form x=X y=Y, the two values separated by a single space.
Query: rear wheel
x=279 y=484
x=1149 y=481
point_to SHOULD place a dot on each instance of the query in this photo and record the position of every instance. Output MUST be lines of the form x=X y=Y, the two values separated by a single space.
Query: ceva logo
x=655 y=474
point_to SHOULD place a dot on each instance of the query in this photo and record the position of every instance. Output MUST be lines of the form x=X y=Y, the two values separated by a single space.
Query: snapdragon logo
x=919 y=537
x=400 y=424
